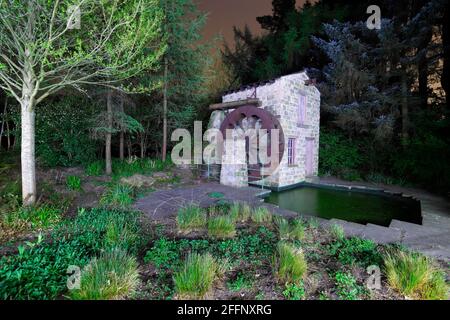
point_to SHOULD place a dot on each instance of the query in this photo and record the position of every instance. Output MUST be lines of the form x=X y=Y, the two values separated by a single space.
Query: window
x=291 y=151
x=302 y=110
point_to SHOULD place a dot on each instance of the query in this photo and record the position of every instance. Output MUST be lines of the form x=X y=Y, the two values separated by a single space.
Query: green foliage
x=337 y=232
x=415 y=276
x=190 y=218
x=240 y=212
x=62 y=136
x=134 y=166
x=95 y=168
x=37 y=217
x=294 y=291
x=347 y=287
x=241 y=282
x=221 y=227
x=355 y=251
x=114 y=275
x=39 y=270
x=290 y=263
x=290 y=230
x=73 y=183
x=196 y=277
x=164 y=254
x=118 y=195
x=261 y=215
x=337 y=155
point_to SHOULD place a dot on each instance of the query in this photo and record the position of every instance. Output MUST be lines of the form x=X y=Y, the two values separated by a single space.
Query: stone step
x=381 y=235
x=351 y=229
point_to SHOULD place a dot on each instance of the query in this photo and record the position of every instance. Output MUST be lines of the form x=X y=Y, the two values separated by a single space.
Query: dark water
x=352 y=206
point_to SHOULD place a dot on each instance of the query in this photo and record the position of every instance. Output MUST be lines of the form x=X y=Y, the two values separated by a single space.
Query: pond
x=356 y=206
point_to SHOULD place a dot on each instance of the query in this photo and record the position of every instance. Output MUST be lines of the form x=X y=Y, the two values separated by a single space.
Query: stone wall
x=281 y=98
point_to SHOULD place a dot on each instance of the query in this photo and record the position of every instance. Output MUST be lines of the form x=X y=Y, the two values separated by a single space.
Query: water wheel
x=251 y=117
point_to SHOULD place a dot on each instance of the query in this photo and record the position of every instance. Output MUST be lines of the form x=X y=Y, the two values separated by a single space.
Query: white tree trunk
x=109 y=134
x=28 y=153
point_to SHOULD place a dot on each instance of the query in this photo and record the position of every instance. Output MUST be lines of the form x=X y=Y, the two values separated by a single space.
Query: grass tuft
x=261 y=215
x=337 y=232
x=196 y=277
x=290 y=263
x=191 y=218
x=221 y=227
x=118 y=195
x=293 y=230
x=113 y=276
x=73 y=183
x=415 y=276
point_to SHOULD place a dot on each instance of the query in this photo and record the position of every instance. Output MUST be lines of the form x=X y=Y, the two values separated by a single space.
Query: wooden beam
x=234 y=104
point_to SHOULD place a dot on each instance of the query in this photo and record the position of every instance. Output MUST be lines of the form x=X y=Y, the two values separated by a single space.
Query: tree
x=43 y=51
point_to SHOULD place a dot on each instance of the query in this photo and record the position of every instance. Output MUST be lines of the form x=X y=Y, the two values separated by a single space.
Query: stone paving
x=432 y=238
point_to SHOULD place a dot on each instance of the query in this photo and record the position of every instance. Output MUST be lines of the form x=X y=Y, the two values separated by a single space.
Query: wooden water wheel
x=255 y=118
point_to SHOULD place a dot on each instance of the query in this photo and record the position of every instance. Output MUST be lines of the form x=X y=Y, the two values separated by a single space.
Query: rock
x=162 y=175
x=138 y=181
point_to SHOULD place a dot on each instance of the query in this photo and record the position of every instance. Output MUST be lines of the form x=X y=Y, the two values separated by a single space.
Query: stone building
x=293 y=102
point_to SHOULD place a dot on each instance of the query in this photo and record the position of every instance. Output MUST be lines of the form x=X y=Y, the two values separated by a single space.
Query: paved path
x=432 y=238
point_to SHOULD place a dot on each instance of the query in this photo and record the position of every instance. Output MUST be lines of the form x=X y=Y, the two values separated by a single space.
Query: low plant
x=73 y=183
x=287 y=230
x=94 y=168
x=290 y=263
x=337 y=232
x=196 y=277
x=221 y=227
x=355 y=251
x=114 y=275
x=191 y=218
x=39 y=270
x=118 y=195
x=164 y=254
x=415 y=276
x=294 y=291
x=241 y=282
x=261 y=215
x=34 y=217
x=347 y=287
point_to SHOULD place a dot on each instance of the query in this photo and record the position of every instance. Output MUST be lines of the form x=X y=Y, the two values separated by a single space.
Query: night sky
x=224 y=14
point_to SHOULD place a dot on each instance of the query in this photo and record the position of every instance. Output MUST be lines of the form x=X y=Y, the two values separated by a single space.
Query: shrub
x=290 y=263
x=73 y=183
x=196 y=277
x=261 y=215
x=338 y=155
x=190 y=218
x=290 y=230
x=221 y=227
x=118 y=195
x=415 y=276
x=114 y=275
x=347 y=287
x=94 y=168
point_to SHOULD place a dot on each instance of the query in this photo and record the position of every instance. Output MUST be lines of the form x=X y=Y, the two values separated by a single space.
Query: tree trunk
x=3 y=121
x=446 y=43
x=121 y=145
x=405 y=116
x=108 y=133
x=164 y=146
x=27 y=154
